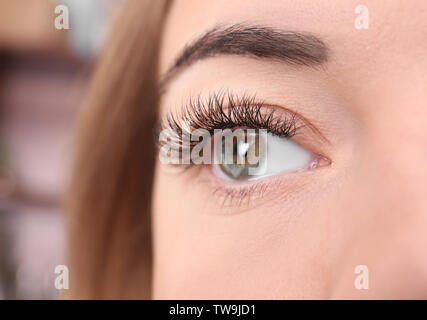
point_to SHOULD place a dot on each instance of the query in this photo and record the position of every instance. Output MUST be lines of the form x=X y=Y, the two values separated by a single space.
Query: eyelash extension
x=224 y=110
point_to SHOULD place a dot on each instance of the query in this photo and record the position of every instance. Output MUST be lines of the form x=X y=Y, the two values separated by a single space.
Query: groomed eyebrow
x=294 y=48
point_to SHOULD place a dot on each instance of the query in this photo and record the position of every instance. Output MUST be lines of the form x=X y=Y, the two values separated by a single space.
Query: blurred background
x=44 y=74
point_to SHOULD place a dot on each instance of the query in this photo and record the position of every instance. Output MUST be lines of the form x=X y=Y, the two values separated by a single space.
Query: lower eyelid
x=244 y=195
x=237 y=197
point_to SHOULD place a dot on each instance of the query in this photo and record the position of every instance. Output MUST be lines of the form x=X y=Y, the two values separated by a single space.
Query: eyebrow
x=293 y=48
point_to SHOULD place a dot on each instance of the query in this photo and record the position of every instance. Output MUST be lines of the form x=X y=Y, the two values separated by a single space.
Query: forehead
x=395 y=28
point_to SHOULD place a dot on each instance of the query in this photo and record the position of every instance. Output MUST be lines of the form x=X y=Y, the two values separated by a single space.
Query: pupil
x=242 y=148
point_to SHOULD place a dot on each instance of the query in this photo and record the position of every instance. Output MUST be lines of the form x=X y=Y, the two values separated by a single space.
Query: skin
x=306 y=235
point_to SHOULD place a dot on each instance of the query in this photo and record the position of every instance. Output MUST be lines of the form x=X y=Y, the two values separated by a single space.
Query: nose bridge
x=398 y=156
x=397 y=138
x=389 y=204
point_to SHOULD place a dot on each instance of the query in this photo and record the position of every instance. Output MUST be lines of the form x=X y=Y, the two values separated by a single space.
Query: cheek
x=268 y=252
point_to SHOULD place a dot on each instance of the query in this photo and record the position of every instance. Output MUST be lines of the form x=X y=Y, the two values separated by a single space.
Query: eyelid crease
x=225 y=110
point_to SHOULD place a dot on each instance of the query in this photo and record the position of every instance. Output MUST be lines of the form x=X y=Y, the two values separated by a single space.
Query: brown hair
x=108 y=204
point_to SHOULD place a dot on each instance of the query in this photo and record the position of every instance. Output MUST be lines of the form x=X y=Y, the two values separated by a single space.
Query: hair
x=108 y=201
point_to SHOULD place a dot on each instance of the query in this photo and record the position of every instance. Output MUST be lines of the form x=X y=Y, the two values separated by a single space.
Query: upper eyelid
x=230 y=110
x=219 y=96
x=306 y=121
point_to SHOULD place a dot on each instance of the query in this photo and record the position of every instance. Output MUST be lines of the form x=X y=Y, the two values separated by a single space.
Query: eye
x=247 y=154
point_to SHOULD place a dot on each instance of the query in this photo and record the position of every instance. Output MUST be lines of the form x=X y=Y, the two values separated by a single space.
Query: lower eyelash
x=227 y=111
x=241 y=196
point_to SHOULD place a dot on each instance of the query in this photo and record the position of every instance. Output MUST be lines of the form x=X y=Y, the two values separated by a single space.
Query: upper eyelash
x=224 y=110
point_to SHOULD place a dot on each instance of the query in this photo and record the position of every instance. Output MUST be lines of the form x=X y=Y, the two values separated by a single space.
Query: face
x=341 y=210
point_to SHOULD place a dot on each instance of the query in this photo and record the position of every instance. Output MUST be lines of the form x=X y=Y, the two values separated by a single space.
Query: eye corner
x=320 y=161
